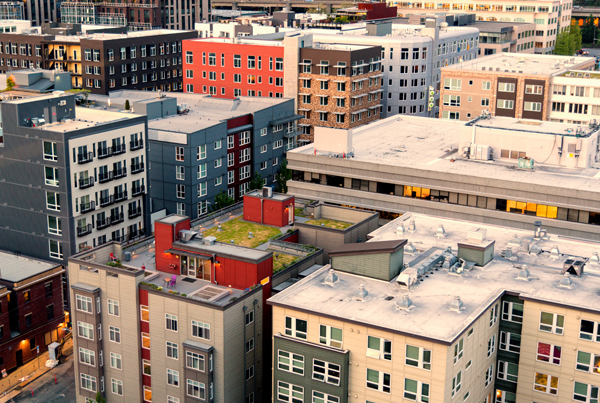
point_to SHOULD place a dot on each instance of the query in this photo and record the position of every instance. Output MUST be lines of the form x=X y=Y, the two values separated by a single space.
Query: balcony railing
x=135 y=212
x=87 y=207
x=104 y=177
x=119 y=173
x=116 y=219
x=85 y=158
x=137 y=191
x=120 y=196
x=137 y=168
x=104 y=152
x=106 y=201
x=87 y=229
x=136 y=145
x=85 y=183
x=118 y=238
x=118 y=149
x=101 y=224
x=135 y=234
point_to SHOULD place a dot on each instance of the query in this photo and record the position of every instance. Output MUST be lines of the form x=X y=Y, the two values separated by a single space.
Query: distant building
x=505 y=37
x=38 y=81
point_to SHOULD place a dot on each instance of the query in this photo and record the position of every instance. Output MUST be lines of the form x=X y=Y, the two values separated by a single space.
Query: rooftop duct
x=573 y=267
x=410 y=249
x=362 y=294
x=457 y=305
x=412 y=227
x=524 y=274
x=555 y=253
x=405 y=304
x=210 y=240
x=331 y=277
x=566 y=281
x=186 y=236
x=441 y=232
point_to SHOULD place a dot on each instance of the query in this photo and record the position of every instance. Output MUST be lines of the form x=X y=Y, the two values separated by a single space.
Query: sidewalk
x=10 y=386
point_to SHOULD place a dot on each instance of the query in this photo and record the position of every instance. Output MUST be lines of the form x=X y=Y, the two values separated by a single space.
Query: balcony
x=85 y=158
x=104 y=177
x=136 y=145
x=104 y=152
x=87 y=229
x=137 y=168
x=134 y=235
x=87 y=207
x=135 y=212
x=106 y=201
x=101 y=224
x=118 y=149
x=138 y=191
x=85 y=183
x=119 y=238
x=120 y=196
x=116 y=219
x=119 y=173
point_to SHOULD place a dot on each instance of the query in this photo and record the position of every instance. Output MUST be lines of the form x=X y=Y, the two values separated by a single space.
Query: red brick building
x=228 y=69
x=31 y=308
x=276 y=209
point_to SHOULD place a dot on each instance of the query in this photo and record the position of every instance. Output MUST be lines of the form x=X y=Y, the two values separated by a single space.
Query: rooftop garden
x=238 y=229
x=283 y=260
x=325 y=222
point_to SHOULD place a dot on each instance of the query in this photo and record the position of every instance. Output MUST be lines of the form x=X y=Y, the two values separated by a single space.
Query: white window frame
x=328 y=340
x=421 y=361
x=200 y=325
x=545 y=388
x=508 y=312
x=551 y=358
x=193 y=358
x=86 y=379
x=553 y=327
x=504 y=369
x=199 y=385
x=114 y=333
x=327 y=373
x=591 y=393
x=87 y=357
x=171 y=322
x=290 y=362
x=292 y=330
x=384 y=352
x=82 y=302
x=201 y=152
x=288 y=392
x=491 y=347
x=180 y=172
x=489 y=375
x=456 y=383
x=172 y=377
x=113 y=307
x=494 y=315
x=172 y=350
x=116 y=361
x=459 y=350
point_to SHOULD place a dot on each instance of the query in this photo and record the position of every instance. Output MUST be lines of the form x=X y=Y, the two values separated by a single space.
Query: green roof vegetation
x=238 y=229
x=325 y=222
x=282 y=260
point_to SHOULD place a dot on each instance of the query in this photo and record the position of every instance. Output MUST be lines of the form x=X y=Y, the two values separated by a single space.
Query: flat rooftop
x=15 y=268
x=499 y=26
x=108 y=36
x=87 y=117
x=479 y=288
x=548 y=65
x=429 y=145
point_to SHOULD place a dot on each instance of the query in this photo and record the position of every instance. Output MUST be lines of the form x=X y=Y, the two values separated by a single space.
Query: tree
x=99 y=398
x=222 y=200
x=575 y=33
x=564 y=44
x=257 y=182
x=84 y=93
x=283 y=175
x=127 y=106
x=10 y=83
x=587 y=32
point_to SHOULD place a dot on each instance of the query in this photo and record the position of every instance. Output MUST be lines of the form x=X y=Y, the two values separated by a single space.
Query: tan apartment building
x=505 y=84
x=505 y=37
x=339 y=85
x=433 y=310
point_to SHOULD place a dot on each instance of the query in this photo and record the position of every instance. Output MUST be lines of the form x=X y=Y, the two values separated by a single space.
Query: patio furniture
x=173 y=281
x=112 y=257
x=166 y=282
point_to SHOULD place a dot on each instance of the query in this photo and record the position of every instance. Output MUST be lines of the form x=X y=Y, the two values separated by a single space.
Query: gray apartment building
x=201 y=146
x=71 y=178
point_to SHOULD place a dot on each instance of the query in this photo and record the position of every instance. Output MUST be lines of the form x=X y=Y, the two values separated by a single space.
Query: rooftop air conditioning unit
x=267 y=191
x=62 y=103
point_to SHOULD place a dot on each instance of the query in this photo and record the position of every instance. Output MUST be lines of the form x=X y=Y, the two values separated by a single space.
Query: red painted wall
x=163 y=241
x=199 y=46
x=252 y=209
x=378 y=10
x=273 y=211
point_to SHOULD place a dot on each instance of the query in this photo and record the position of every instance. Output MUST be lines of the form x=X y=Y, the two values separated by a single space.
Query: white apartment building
x=575 y=97
x=550 y=17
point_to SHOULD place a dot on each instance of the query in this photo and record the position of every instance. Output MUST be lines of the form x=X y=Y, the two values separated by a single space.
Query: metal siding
x=375 y=265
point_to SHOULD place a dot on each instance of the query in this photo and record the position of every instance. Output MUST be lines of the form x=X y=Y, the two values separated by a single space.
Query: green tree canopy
x=257 y=182
x=565 y=44
x=575 y=33
x=283 y=175
x=222 y=200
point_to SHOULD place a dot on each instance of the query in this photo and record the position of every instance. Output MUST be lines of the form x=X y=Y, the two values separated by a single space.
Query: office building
x=492 y=170
x=551 y=17
x=32 y=308
x=481 y=313
x=100 y=59
x=71 y=178
x=516 y=85
x=505 y=37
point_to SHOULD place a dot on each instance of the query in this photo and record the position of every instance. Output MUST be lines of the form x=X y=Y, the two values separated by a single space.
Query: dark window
x=358 y=184
x=333 y=180
x=28 y=320
x=50 y=312
x=48 y=290
x=386 y=188
x=501 y=204
x=32 y=344
x=1 y=332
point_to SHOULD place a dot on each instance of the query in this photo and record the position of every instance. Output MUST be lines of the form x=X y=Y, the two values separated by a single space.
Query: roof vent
x=441 y=232
x=405 y=304
x=515 y=241
x=186 y=236
x=412 y=228
x=566 y=281
x=361 y=295
x=219 y=228
x=573 y=267
x=210 y=240
x=457 y=305
x=449 y=261
x=595 y=259
x=555 y=253
x=331 y=277
x=401 y=230
x=476 y=236
x=410 y=249
x=407 y=278
x=524 y=274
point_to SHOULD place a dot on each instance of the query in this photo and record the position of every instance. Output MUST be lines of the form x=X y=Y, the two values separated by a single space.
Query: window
x=51 y=176
x=379 y=348
x=180 y=208
x=172 y=377
x=117 y=386
x=506 y=87
x=88 y=382
x=189 y=57
x=326 y=372
x=512 y=311
x=50 y=151
x=180 y=173
x=171 y=322
x=87 y=357
x=552 y=323
x=200 y=330
x=588 y=362
x=508 y=371
x=485 y=102
x=505 y=104
x=115 y=361
x=196 y=389
x=320 y=397
x=286 y=392
x=486 y=85
x=533 y=106
x=113 y=307
x=172 y=350
x=456 y=383
x=145 y=313
x=445 y=114
x=249 y=345
x=452 y=100
x=83 y=304
x=85 y=330
x=588 y=330
x=489 y=375
x=585 y=393
x=510 y=342
x=56 y=249
x=201 y=152
x=194 y=361
x=418 y=357
x=330 y=336
x=548 y=353
x=178 y=153
x=416 y=390
x=114 y=334
x=545 y=383
x=295 y=327
x=171 y=399
x=249 y=317
x=493 y=315
x=249 y=372
x=277 y=144
x=534 y=89
x=279 y=64
x=290 y=362
x=452 y=84
x=180 y=191
x=458 y=350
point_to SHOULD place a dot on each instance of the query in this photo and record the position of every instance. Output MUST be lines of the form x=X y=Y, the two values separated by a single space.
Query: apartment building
x=505 y=37
x=493 y=170
x=100 y=61
x=575 y=97
x=196 y=337
x=508 y=84
x=11 y=10
x=32 y=313
x=71 y=178
x=551 y=17
x=366 y=328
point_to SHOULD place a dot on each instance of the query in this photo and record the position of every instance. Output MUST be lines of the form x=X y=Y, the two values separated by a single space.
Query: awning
x=239 y=129
x=303 y=93
x=322 y=65
x=187 y=253
x=362 y=110
x=360 y=65
x=305 y=64
x=286 y=119
x=321 y=95
x=340 y=66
